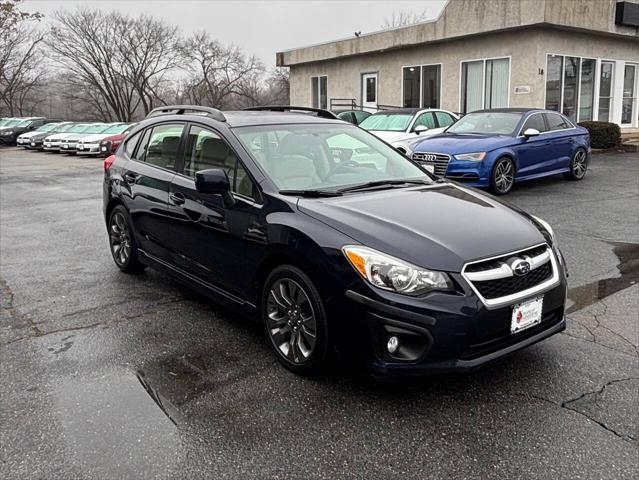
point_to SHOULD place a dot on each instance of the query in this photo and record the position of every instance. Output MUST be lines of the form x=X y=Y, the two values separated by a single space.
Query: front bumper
x=443 y=333
x=68 y=147
x=87 y=149
x=51 y=146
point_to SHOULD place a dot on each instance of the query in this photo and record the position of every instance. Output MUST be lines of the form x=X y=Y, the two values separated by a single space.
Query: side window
x=556 y=122
x=161 y=149
x=425 y=119
x=444 y=119
x=140 y=151
x=205 y=149
x=535 y=121
x=129 y=146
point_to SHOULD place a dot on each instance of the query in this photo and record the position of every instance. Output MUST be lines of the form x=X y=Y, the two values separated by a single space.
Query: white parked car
x=405 y=126
x=90 y=145
x=24 y=139
x=52 y=142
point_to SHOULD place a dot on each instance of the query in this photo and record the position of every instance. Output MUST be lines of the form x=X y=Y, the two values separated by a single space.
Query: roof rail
x=291 y=108
x=214 y=113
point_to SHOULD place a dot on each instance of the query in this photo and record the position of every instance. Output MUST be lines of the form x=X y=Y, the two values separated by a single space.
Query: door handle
x=177 y=198
x=130 y=177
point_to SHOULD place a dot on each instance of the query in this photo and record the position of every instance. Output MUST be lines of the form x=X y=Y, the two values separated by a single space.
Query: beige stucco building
x=577 y=56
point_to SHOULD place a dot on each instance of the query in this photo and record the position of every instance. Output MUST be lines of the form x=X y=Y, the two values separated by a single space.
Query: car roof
x=510 y=110
x=243 y=118
x=395 y=111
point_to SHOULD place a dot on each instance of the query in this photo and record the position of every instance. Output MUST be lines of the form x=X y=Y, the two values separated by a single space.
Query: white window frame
x=635 y=99
x=319 y=83
x=483 y=78
x=421 y=83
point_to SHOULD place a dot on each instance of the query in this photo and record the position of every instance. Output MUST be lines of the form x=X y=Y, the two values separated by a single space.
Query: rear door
x=146 y=179
x=209 y=238
x=534 y=153
x=561 y=136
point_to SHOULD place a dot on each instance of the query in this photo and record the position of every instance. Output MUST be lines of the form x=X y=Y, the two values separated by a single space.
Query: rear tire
x=294 y=320
x=122 y=242
x=578 y=166
x=502 y=179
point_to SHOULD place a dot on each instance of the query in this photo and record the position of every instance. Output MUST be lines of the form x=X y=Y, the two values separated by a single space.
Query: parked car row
x=82 y=138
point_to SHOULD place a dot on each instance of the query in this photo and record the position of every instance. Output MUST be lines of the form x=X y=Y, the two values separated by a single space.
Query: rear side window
x=425 y=119
x=129 y=146
x=444 y=119
x=535 y=121
x=159 y=146
x=556 y=122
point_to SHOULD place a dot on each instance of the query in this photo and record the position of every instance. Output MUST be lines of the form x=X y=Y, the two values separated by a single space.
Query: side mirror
x=420 y=128
x=531 y=132
x=215 y=181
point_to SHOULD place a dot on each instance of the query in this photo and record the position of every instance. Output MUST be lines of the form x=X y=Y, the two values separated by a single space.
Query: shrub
x=603 y=134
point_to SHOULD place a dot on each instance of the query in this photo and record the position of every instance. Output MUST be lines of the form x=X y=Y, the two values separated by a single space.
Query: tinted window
x=444 y=119
x=205 y=149
x=361 y=115
x=556 y=122
x=161 y=149
x=426 y=120
x=535 y=121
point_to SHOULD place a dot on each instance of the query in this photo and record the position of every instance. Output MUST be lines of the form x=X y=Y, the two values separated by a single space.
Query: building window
x=421 y=86
x=605 y=90
x=484 y=84
x=570 y=85
x=629 y=93
x=319 y=95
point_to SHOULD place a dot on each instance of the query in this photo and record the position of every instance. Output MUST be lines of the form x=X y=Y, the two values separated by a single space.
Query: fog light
x=393 y=344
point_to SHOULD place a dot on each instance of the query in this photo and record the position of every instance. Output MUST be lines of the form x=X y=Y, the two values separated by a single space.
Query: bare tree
x=114 y=63
x=218 y=75
x=20 y=59
x=404 y=18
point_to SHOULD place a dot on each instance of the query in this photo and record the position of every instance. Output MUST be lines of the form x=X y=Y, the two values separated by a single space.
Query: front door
x=629 y=98
x=369 y=92
x=208 y=236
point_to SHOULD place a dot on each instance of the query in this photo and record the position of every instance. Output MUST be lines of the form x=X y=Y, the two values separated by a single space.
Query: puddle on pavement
x=116 y=426
x=585 y=295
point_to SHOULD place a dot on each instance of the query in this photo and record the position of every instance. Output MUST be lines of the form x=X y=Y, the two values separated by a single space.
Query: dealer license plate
x=526 y=315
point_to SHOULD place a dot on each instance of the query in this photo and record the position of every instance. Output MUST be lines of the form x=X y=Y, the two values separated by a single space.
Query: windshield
x=325 y=156
x=46 y=127
x=24 y=123
x=64 y=128
x=116 y=129
x=12 y=123
x=490 y=123
x=393 y=122
x=97 y=128
x=79 y=128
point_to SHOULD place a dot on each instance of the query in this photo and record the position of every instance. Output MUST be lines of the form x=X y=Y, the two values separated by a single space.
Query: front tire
x=295 y=321
x=502 y=179
x=578 y=166
x=122 y=242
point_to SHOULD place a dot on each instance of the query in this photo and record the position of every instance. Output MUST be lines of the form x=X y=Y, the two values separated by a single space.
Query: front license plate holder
x=526 y=314
x=429 y=168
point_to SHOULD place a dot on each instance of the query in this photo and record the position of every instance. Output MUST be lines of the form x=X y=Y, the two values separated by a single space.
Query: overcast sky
x=261 y=27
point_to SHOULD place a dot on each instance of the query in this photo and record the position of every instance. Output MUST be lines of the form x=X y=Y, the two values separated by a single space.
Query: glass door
x=605 y=90
x=369 y=91
x=629 y=100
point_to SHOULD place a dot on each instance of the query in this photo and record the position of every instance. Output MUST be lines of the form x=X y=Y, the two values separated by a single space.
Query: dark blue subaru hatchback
x=335 y=241
x=496 y=148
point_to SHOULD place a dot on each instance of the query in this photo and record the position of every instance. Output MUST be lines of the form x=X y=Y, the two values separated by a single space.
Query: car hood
x=390 y=137
x=440 y=227
x=29 y=134
x=452 y=143
x=94 y=137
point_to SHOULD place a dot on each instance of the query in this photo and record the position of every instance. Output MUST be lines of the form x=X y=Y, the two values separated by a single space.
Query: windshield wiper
x=311 y=193
x=383 y=183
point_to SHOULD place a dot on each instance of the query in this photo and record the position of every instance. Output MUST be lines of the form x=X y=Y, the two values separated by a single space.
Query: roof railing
x=291 y=108
x=211 y=112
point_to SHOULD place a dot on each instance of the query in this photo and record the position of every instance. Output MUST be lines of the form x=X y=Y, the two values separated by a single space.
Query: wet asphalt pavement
x=104 y=375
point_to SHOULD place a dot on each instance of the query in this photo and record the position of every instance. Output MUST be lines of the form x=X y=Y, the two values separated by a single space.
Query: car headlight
x=390 y=273
x=473 y=157
x=546 y=226
x=7 y=132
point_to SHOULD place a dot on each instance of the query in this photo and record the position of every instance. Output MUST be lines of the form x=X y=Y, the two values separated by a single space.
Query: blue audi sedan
x=496 y=148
